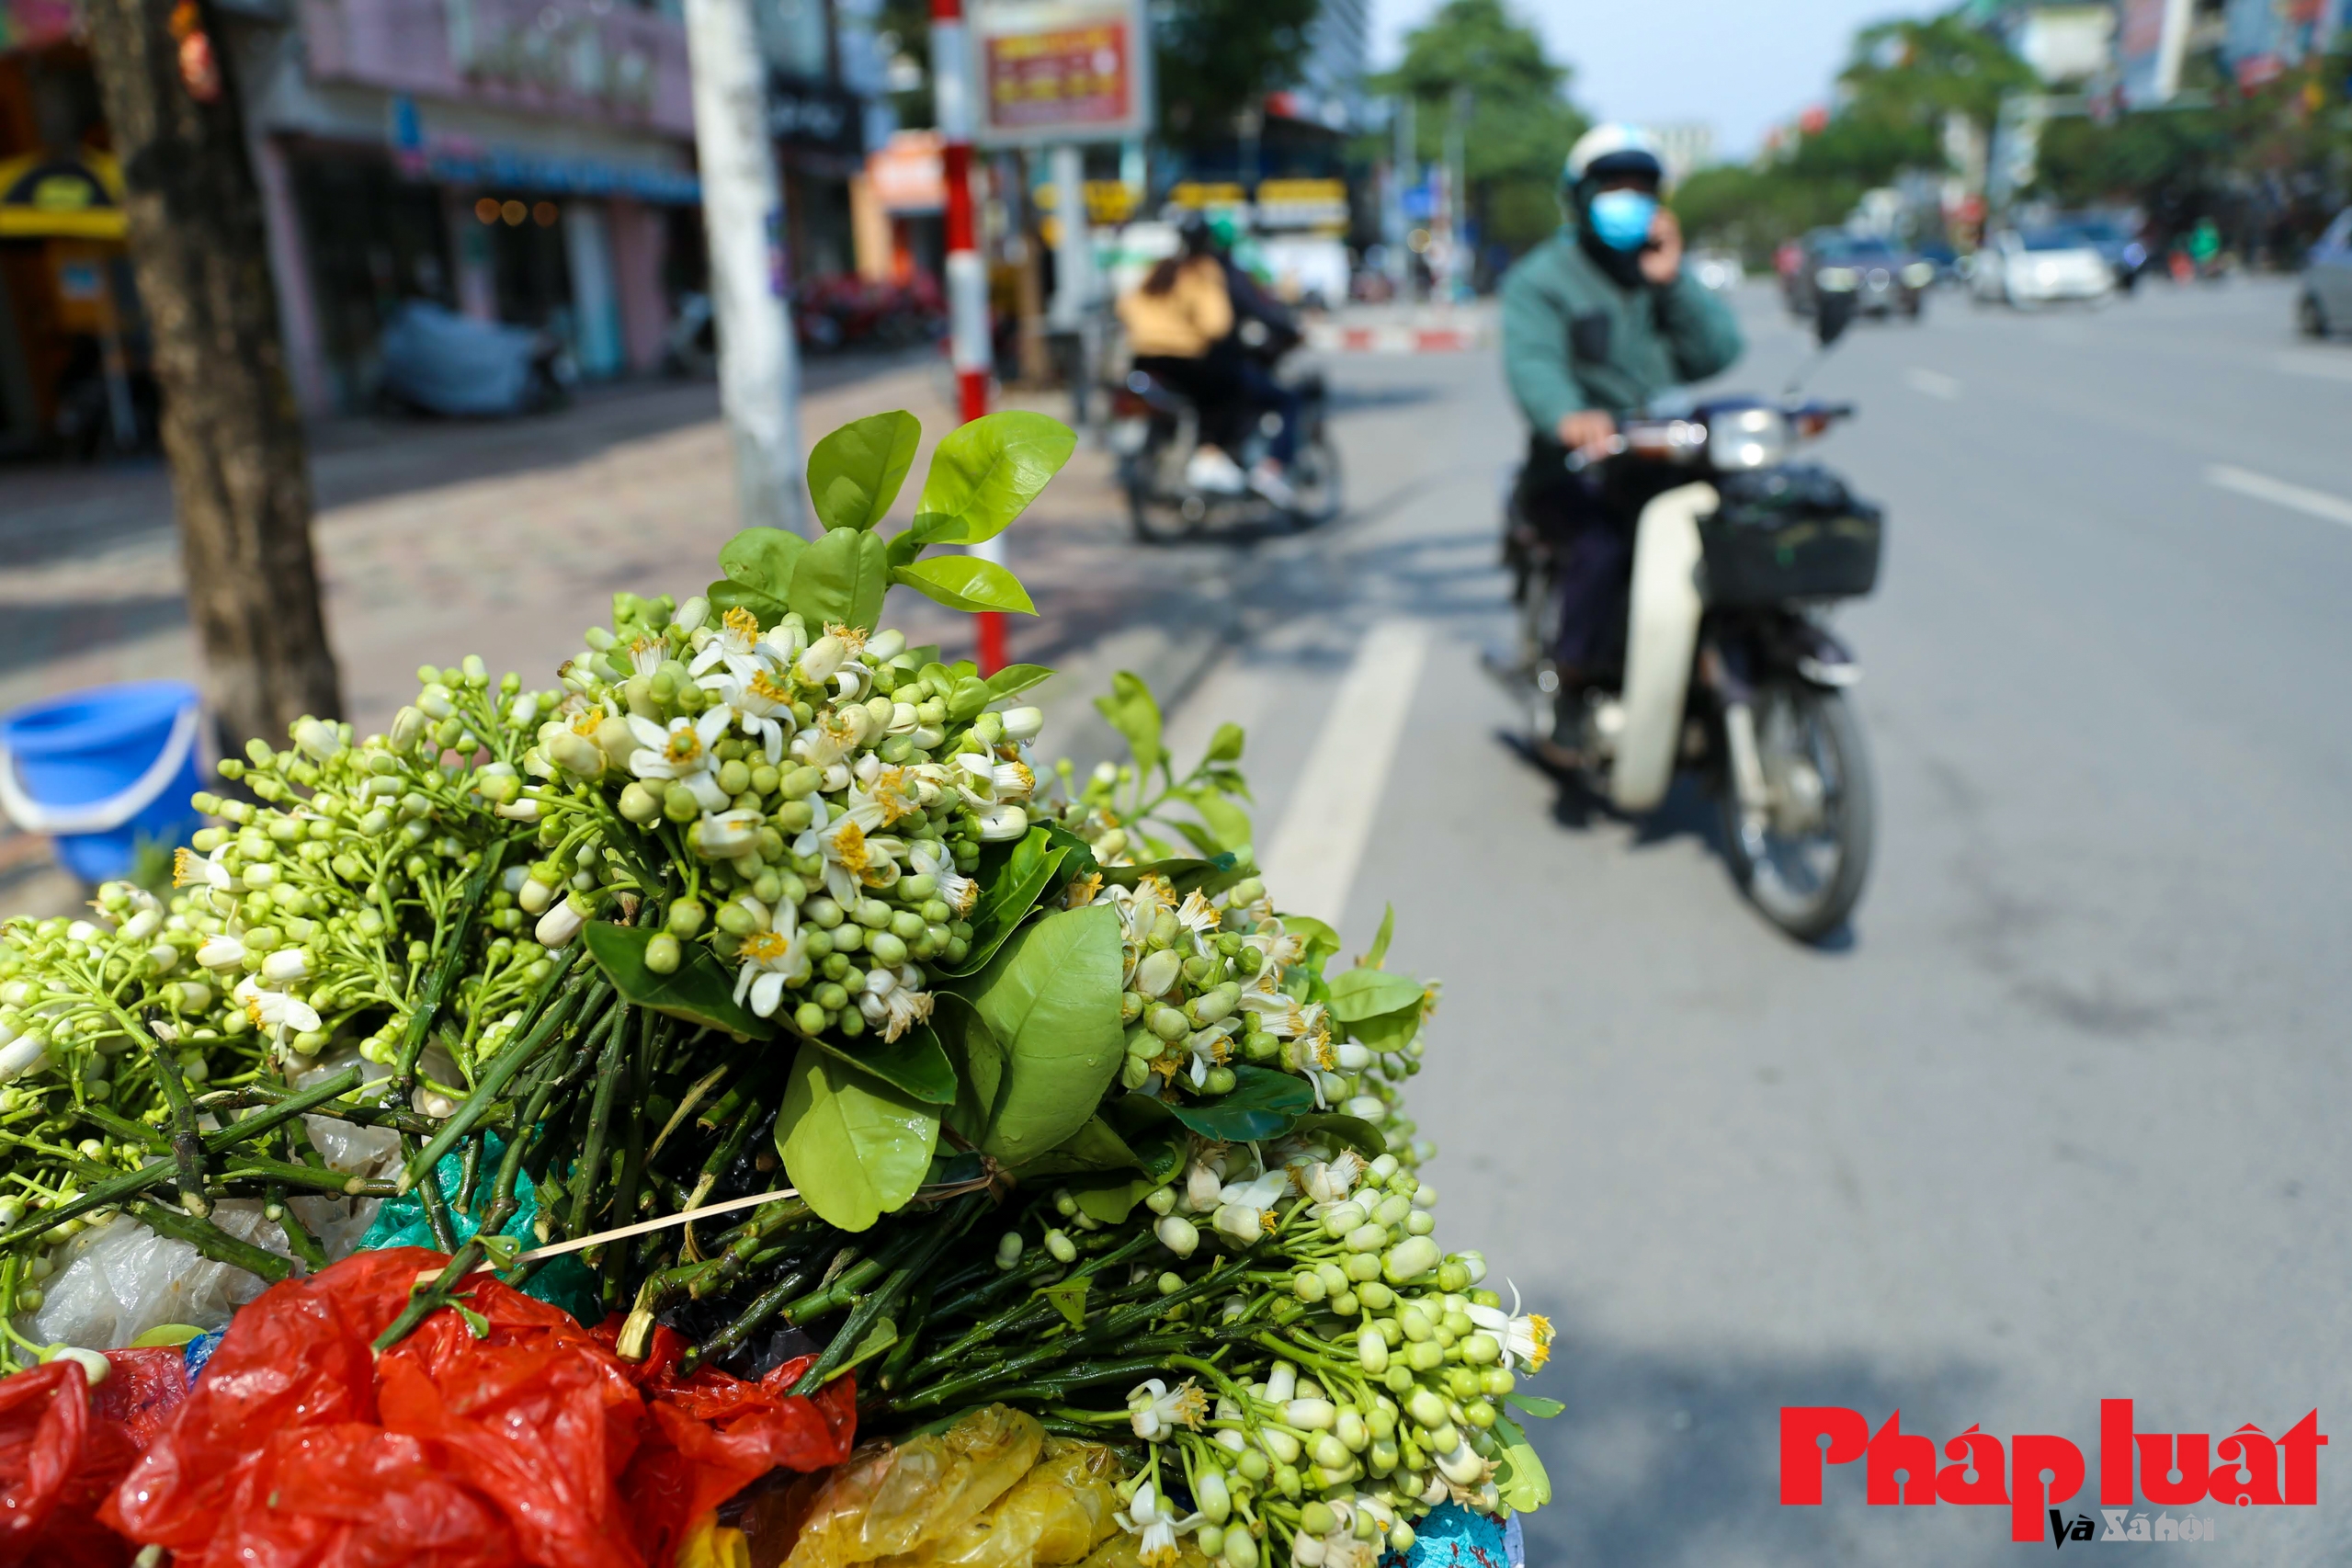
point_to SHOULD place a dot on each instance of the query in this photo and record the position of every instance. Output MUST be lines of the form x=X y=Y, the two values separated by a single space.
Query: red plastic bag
x=63 y=1447
x=716 y=1434
x=533 y=1444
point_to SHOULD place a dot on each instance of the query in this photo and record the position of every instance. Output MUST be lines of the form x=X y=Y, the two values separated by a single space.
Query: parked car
x=1883 y=280
x=2324 y=305
x=1717 y=269
x=2115 y=238
x=2040 y=267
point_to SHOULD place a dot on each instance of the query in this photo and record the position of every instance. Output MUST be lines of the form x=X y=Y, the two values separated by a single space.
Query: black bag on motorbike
x=1788 y=533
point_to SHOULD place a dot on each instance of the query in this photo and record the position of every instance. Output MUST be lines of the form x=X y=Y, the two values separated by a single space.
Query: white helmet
x=1614 y=147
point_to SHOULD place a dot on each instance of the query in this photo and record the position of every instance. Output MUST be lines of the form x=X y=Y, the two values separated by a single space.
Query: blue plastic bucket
x=102 y=771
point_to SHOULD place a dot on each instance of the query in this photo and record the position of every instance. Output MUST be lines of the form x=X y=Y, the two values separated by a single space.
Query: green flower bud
x=1134 y=1072
x=1335 y=1278
x=1156 y=972
x=679 y=804
x=819 y=942
x=1240 y=1548
x=1167 y=1022
x=1219 y=1081
x=831 y=997
x=662 y=954
x=1409 y=1259
x=1427 y=1409
x=873 y=913
x=1317 y=1519
x=1159 y=1201
x=809 y=1018
x=1425 y=1356
x=685 y=916
x=1254 y=1465
x=737 y=921
x=1009 y=1249
x=1371 y=1350
x=734 y=777
x=849 y=938
x=640 y=804
x=1345 y=1304
x=1495 y=1382
x=1059 y=1243
x=888 y=951
x=1130 y=1008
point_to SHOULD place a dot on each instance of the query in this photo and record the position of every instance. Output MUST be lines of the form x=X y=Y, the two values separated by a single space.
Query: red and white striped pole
x=968 y=346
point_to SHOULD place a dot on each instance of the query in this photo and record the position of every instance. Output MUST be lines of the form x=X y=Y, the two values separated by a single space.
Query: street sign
x=1060 y=71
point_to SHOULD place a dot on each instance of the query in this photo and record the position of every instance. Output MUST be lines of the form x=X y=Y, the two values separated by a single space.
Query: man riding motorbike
x=1597 y=322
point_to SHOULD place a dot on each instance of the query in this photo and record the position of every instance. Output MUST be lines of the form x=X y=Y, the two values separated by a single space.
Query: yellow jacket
x=1181 y=323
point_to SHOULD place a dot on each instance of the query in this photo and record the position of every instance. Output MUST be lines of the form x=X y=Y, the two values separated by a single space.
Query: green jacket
x=1574 y=339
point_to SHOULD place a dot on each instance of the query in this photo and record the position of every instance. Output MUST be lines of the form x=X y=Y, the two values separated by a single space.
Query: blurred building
x=529 y=162
x=1687 y=145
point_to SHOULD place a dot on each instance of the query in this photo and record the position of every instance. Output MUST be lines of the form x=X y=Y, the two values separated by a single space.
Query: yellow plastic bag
x=1053 y=1515
x=710 y=1545
x=1125 y=1551
x=886 y=1501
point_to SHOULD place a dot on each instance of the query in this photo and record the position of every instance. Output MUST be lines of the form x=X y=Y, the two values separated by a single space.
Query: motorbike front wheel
x=1317 y=494
x=1802 y=858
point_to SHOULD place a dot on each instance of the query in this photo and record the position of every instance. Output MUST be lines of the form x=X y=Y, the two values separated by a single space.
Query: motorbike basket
x=1785 y=534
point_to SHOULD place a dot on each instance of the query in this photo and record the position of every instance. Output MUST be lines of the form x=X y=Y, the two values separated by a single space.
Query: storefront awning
x=43 y=197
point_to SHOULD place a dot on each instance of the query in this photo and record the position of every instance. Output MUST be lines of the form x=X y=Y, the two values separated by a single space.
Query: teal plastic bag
x=565 y=1282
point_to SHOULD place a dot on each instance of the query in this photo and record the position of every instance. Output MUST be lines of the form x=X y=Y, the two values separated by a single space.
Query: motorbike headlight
x=1836 y=279
x=1747 y=438
x=1919 y=274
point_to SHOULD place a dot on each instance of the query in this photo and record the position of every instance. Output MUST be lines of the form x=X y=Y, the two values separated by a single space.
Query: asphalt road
x=2060 y=1117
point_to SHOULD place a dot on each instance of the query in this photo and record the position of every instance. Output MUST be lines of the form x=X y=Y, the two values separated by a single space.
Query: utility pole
x=1458 y=193
x=743 y=220
x=240 y=485
x=1408 y=175
x=1074 y=282
x=968 y=346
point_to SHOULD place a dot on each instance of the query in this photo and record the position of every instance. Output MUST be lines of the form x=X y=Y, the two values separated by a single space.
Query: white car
x=2039 y=267
x=2325 y=304
x=1717 y=269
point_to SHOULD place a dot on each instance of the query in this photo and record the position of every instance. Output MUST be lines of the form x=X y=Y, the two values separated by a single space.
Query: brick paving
x=507 y=539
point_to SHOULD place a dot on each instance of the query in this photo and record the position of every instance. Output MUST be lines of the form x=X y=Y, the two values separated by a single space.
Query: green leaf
x=1360 y=993
x=985 y=473
x=978 y=1060
x=1010 y=888
x=1134 y=714
x=928 y=529
x=1226 y=820
x=1213 y=875
x=1263 y=1104
x=1111 y=1196
x=1014 y=678
x=1226 y=746
x=1389 y=1032
x=1069 y=1299
x=1321 y=940
x=914 y=1062
x=841 y=579
x=880 y=1336
x=1380 y=953
x=1196 y=835
x=762 y=559
x=1543 y=1409
x=855 y=1147
x=699 y=990
x=725 y=596
x=1352 y=1131
x=1050 y=999
x=854 y=473
x=1094 y=1147
x=1520 y=1476
x=966 y=583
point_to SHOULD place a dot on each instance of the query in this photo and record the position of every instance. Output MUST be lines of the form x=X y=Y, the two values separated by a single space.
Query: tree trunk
x=230 y=425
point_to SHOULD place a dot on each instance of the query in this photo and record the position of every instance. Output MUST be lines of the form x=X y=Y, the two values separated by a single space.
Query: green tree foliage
x=1215 y=59
x=1521 y=122
x=1902 y=80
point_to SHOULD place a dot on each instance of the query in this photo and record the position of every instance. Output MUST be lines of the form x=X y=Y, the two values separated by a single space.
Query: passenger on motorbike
x=1181 y=323
x=1597 y=322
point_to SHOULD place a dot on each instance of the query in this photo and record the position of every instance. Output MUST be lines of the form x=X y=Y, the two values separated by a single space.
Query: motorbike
x=1154 y=429
x=1730 y=672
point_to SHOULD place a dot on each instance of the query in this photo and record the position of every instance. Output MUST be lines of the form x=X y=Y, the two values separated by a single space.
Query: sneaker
x=1267 y=480
x=1213 y=473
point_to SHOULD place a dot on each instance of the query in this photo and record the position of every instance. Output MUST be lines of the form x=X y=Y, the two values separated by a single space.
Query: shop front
x=73 y=376
x=527 y=164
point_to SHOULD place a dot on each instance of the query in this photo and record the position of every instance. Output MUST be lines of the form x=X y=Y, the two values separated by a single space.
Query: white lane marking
x=2313 y=366
x=2262 y=487
x=1935 y=384
x=1312 y=860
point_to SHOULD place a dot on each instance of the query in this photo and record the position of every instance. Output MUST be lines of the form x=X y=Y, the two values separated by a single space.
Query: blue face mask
x=1621 y=218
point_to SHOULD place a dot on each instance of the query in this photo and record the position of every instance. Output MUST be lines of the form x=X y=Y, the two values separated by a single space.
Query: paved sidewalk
x=508 y=540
